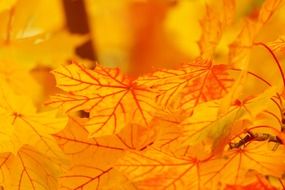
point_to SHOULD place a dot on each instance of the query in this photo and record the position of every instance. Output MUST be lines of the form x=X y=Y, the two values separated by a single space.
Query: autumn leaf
x=32 y=51
x=29 y=169
x=260 y=183
x=267 y=10
x=89 y=165
x=93 y=159
x=154 y=169
x=26 y=36
x=214 y=121
x=19 y=80
x=241 y=47
x=112 y=99
x=211 y=126
x=235 y=163
x=211 y=32
x=22 y=124
x=196 y=82
x=22 y=20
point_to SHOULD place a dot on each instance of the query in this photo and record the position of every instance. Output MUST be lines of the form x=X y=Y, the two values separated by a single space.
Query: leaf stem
x=274 y=57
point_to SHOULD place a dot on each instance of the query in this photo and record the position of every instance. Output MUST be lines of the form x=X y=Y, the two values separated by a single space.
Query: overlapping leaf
x=259 y=184
x=196 y=82
x=209 y=124
x=112 y=99
x=240 y=49
x=93 y=159
x=212 y=25
x=32 y=51
x=257 y=156
x=213 y=126
x=27 y=33
x=29 y=169
x=19 y=80
x=154 y=169
x=22 y=20
x=21 y=124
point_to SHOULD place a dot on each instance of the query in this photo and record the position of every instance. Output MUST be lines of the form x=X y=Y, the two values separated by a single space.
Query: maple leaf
x=213 y=25
x=213 y=126
x=240 y=48
x=209 y=124
x=19 y=80
x=93 y=159
x=234 y=165
x=211 y=32
x=22 y=20
x=154 y=169
x=259 y=185
x=198 y=81
x=32 y=51
x=26 y=36
x=112 y=99
x=22 y=124
x=267 y=9
x=29 y=169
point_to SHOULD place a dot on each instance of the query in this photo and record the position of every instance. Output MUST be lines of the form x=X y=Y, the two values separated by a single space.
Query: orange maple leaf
x=112 y=99
x=196 y=82
x=93 y=159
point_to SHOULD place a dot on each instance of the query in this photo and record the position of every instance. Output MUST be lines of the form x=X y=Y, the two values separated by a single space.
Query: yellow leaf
x=112 y=99
x=93 y=159
x=157 y=170
x=24 y=20
x=195 y=82
x=235 y=163
x=29 y=169
x=23 y=124
x=40 y=49
x=267 y=10
x=212 y=126
x=19 y=79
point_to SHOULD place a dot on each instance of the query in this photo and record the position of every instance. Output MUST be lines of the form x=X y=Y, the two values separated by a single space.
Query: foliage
x=215 y=121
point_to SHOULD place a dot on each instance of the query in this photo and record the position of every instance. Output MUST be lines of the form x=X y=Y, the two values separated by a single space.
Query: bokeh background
x=137 y=36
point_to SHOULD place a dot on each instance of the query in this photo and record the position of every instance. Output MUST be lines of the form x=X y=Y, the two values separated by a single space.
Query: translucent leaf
x=32 y=51
x=154 y=169
x=112 y=99
x=213 y=126
x=22 y=124
x=93 y=159
x=267 y=10
x=213 y=25
x=196 y=82
x=236 y=163
x=24 y=20
x=29 y=169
